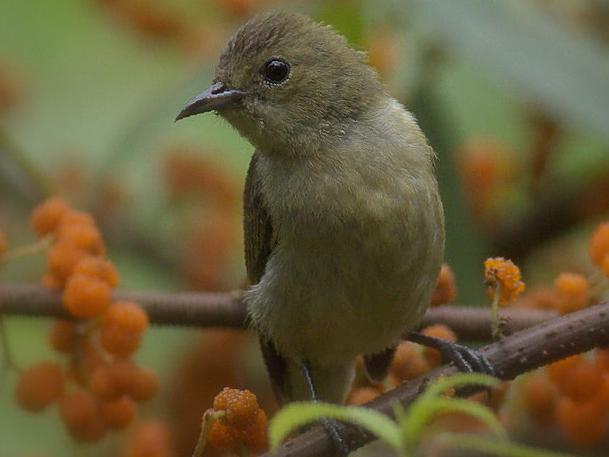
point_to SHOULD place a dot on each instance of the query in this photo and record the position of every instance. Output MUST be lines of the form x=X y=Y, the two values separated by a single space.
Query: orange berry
x=99 y=268
x=103 y=384
x=128 y=315
x=63 y=336
x=62 y=259
x=560 y=369
x=540 y=398
x=123 y=373
x=90 y=431
x=540 y=298
x=362 y=395
x=39 y=386
x=485 y=167
x=503 y=275
x=84 y=236
x=150 y=439
x=241 y=406
x=125 y=377
x=86 y=296
x=573 y=290
x=77 y=408
x=79 y=411
x=441 y=332
x=3 y=244
x=255 y=436
x=122 y=328
x=74 y=218
x=582 y=423
x=144 y=385
x=602 y=358
x=119 y=341
x=582 y=382
x=408 y=362
x=446 y=289
x=599 y=243
x=119 y=413
x=46 y=216
x=605 y=265
x=221 y=438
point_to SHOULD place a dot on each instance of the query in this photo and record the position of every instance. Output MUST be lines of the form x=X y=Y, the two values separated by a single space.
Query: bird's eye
x=276 y=71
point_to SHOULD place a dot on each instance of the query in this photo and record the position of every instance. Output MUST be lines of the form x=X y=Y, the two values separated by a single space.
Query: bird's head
x=289 y=84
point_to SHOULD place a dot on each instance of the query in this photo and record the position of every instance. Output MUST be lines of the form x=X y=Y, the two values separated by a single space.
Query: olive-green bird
x=344 y=227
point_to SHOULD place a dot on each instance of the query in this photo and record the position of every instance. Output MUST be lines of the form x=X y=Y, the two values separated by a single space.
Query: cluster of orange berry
x=574 y=291
x=487 y=172
x=99 y=387
x=189 y=176
x=572 y=394
x=238 y=423
x=503 y=280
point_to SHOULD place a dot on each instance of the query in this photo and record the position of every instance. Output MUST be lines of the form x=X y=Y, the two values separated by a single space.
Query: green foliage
x=560 y=70
x=404 y=434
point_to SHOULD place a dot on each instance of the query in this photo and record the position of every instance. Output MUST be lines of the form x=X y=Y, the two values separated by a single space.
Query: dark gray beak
x=216 y=97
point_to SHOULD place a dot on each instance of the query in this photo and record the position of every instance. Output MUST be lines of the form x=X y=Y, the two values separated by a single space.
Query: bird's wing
x=258 y=237
x=377 y=365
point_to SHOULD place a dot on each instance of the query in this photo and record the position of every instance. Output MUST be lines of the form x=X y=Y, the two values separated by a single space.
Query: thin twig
x=205 y=309
x=524 y=351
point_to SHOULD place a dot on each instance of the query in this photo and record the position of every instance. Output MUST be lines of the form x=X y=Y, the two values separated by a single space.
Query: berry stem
x=38 y=247
x=495 y=318
x=209 y=417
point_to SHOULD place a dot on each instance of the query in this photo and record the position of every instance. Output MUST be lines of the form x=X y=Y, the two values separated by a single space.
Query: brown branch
x=204 y=309
x=524 y=351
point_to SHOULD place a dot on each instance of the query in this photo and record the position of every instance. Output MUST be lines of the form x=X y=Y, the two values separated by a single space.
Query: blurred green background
x=513 y=95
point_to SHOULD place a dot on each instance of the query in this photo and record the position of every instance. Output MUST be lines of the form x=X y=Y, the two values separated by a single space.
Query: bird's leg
x=465 y=359
x=335 y=429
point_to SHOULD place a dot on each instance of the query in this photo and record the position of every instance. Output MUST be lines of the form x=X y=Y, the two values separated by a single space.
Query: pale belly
x=348 y=290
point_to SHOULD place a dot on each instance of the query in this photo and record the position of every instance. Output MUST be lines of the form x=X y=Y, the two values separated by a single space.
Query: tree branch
x=205 y=309
x=524 y=351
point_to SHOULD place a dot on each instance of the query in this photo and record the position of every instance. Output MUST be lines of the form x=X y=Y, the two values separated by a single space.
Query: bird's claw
x=465 y=359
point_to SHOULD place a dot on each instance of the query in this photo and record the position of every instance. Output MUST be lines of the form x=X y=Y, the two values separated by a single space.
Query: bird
x=343 y=220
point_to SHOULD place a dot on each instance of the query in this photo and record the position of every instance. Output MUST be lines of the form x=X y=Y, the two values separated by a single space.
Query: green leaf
x=300 y=413
x=457 y=381
x=513 y=41
x=422 y=412
x=494 y=447
x=430 y=403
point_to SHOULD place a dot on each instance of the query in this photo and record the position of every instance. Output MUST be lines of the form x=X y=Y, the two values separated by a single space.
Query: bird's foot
x=465 y=359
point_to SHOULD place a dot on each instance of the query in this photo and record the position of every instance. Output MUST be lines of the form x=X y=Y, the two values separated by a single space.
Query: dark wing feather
x=258 y=236
x=377 y=365
x=257 y=228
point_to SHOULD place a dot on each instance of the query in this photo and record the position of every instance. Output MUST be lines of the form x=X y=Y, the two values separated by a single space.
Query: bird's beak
x=217 y=96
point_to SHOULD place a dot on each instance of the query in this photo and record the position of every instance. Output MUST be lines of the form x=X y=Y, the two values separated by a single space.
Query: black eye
x=276 y=71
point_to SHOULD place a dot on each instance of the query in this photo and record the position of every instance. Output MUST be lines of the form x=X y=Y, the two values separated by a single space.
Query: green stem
x=495 y=319
x=209 y=417
x=28 y=249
